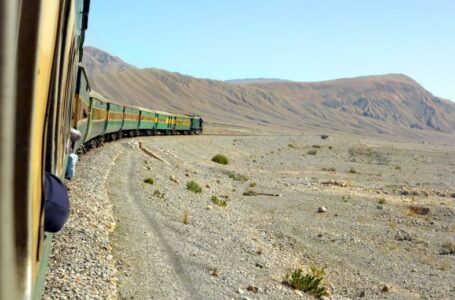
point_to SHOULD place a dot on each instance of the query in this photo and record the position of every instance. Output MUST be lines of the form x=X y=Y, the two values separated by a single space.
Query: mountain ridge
x=384 y=104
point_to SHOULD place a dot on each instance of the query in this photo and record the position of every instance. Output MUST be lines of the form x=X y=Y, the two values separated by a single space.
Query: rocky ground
x=355 y=206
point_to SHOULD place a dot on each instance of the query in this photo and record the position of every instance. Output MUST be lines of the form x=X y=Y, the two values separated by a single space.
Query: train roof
x=103 y=98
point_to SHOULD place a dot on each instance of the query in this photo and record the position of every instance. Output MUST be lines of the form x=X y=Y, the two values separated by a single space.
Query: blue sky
x=301 y=40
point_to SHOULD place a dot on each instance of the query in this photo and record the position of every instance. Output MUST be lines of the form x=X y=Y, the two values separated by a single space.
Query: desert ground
x=377 y=215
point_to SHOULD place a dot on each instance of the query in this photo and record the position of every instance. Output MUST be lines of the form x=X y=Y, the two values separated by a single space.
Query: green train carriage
x=182 y=124
x=164 y=122
x=97 y=120
x=130 y=121
x=147 y=121
x=114 y=120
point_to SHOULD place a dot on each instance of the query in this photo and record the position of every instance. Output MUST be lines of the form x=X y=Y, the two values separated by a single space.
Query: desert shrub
x=308 y=283
x=291 y=146
x=158 y=194
x=149 y=180
x=193 y=186
x=220 y=159
x=250 y=193
x=253 y=184
x=448 y=248
x=324 y=136
x=329 y=169
x=381 y=201
x=238 y=177
x=316 y=146
x=418 y=210
x=330 y=147
x=353 y=171
x=218 y=201
x=312 y=152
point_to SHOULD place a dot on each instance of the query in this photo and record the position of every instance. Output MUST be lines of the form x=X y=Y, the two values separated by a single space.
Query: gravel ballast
x=81 y=265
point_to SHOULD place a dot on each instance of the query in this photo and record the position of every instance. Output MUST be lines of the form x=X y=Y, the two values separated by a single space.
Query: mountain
x=391 y=104
x=97 y=61
x=255 y=80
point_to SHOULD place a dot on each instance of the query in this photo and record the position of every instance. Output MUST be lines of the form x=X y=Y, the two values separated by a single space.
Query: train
x=99 y=119
x=44 y=94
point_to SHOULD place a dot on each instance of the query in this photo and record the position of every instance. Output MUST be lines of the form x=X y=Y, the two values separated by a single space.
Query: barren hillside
x=391 y=104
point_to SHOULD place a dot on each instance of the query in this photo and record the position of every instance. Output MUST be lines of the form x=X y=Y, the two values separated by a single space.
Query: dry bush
x=149 y=180
x=186 y=216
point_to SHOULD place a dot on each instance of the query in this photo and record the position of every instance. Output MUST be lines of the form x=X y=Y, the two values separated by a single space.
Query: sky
x=300 y=40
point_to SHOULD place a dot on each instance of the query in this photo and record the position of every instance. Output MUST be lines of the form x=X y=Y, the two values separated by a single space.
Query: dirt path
x=153 y=270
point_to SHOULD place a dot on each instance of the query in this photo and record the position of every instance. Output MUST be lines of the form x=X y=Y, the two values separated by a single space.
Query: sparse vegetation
x=252 y=184
x=220 y=159
x=308 y=283
x=312 y=152
x=186 y=216
x=292 y=146
x=381 y=200
x=324 y=136
x=353 y=171
x=330 y=147
x=448 y=248
x=158 y=194
x=397 y=168
x=238 y=177
x=193 y=186
x=218 y=201
x=250 y=193
x=316 y=146
x=329 y=169
x=149 y=180
x=362 y=153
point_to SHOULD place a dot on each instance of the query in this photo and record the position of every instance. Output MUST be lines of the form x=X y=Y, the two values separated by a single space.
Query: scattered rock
x=252 y=288
x=322 y=209
x=403 y=236
x=187 y=175
x=385 y=289
x=207 y=186
x=172 y=178
x=215 y=272
x=259 y=265
x=208 y=207
x=334 y=182
x=379 y=206
x=362 y=294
